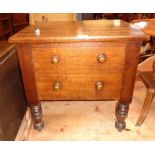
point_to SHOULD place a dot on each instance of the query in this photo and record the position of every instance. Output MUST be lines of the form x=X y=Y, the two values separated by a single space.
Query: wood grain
x=78 y=71
x=78 y=45
x=74 y=31
x=26 y=64
x=25 y=59
x=146 y=25
x=129 y=73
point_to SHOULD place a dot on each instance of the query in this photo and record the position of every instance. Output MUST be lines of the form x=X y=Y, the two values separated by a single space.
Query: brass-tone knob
x=99 y=85
x=101 y=58
x=57 y=86
x=55 y=59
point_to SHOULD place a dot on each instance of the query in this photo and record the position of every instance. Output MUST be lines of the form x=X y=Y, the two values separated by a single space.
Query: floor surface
x=94 y=120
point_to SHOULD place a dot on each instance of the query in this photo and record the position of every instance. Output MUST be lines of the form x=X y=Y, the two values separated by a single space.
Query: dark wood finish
x=148 y=27
x=76 y=65
x=129 y=76
x=71 y=31
x=146 y=106
x=149 y=81
x=148 y=77
x=76 y=70
x=87 y=16
x=10 y=23
x=19 y=21
x=12 y=98
x=5 y=49
x=121 y=114
x=6 y=29
x=25 y=59
x=128 y=17
x=36 y=111
x=130 y=68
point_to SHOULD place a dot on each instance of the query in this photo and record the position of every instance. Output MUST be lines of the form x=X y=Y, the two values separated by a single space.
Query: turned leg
x=128 y=80
x=147 y=103
x=121 y=115
x=36 y=112
x=28 y=75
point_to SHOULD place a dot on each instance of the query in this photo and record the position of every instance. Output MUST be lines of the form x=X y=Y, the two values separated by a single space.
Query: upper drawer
x=79 y=60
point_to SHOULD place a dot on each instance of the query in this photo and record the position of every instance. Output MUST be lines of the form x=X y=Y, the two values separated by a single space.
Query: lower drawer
x=79 y=87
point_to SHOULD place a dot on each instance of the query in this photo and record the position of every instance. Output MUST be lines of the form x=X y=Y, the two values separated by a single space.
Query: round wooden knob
x=101 y=58
x=99 y=85
x=55 y=59
x=57 y=86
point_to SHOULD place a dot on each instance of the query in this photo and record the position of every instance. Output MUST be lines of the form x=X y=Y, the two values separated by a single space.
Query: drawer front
x=83 y=73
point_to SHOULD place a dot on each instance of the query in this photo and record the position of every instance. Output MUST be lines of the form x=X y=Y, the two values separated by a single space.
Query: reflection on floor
x=94 y=120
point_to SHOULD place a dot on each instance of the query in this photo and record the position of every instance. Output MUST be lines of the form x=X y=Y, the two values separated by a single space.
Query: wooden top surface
x=69 y=31
x=5 y=48
x=147 y=26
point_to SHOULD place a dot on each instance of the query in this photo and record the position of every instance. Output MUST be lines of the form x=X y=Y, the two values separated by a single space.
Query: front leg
x=36 y=112
x=121 y=114
x=28 y=75
x=128 y=81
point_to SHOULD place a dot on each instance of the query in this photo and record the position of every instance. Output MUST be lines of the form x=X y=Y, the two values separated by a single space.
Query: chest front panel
x=79 y=72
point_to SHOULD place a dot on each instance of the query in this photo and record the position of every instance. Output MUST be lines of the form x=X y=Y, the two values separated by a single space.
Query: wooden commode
x=70 y=60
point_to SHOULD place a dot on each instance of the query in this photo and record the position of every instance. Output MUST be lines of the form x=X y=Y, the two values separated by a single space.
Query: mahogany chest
x=88 y=60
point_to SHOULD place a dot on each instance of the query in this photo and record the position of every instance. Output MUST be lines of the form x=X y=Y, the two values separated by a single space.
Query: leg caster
x=121 y=115
x=37 y=117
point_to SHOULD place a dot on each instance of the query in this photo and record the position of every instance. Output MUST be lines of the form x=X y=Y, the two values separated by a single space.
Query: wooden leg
x=147 y=103
x=121 y=115
x=128 y=81
x=26 y=64
x=36 y=112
